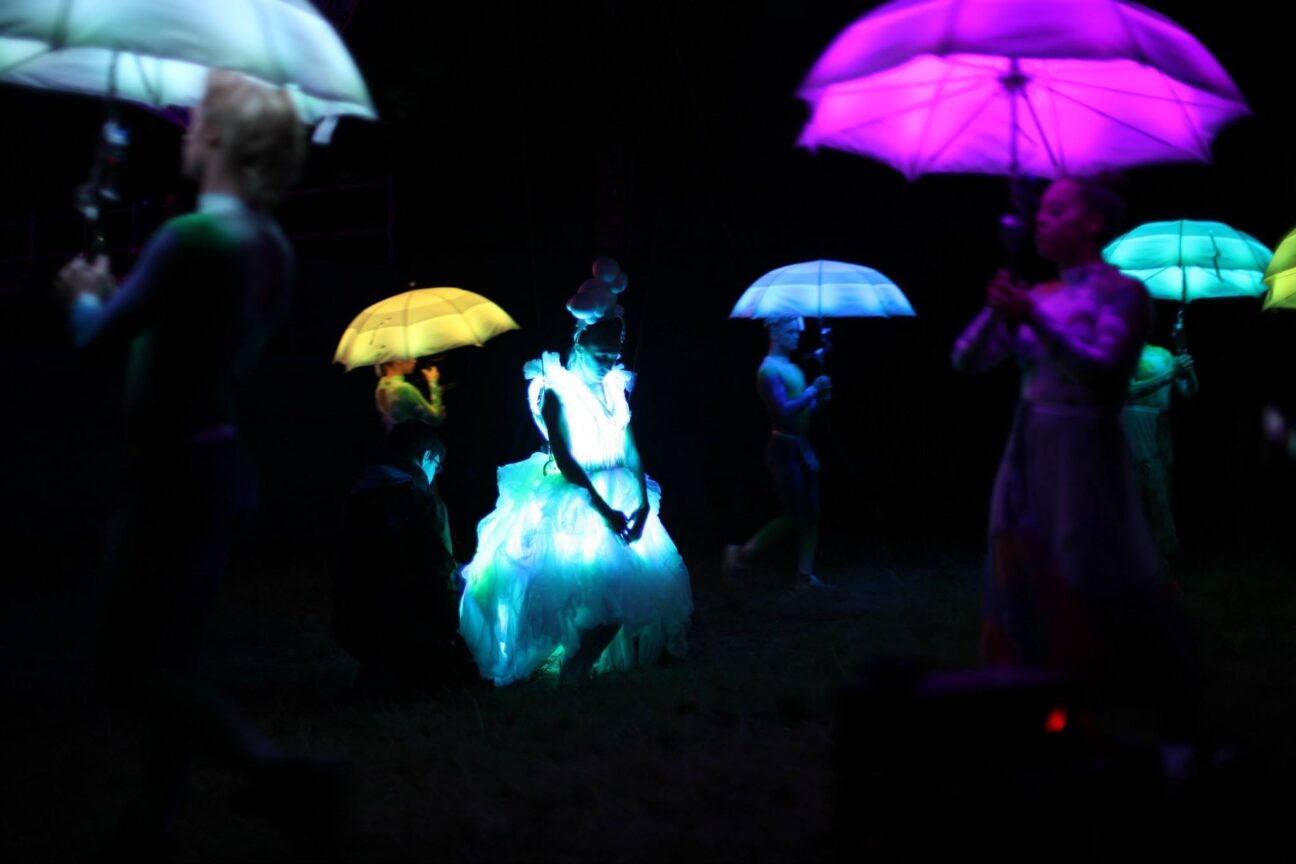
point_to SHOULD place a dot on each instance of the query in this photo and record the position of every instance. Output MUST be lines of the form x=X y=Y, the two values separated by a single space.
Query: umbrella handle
x=1177 y=334
x=821 y=353
x=110 y=159
x=105 y=174
x=1015 y=226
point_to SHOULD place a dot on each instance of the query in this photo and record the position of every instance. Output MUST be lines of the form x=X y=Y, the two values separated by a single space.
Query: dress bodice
x=596 y=421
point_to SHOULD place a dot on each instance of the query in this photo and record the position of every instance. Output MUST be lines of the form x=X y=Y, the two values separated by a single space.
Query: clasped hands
x=627 y=529
x=1010 y=299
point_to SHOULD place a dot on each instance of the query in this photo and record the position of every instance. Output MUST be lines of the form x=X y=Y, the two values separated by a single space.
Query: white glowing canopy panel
x=158 y=52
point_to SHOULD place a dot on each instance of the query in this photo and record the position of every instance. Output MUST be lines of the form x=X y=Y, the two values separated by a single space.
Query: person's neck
x=1081 y=257
x=217 y=180
x=776 y=350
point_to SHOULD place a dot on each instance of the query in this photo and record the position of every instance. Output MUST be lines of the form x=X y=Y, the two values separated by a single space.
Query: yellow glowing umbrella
x=418 y=323
x=1281 y=276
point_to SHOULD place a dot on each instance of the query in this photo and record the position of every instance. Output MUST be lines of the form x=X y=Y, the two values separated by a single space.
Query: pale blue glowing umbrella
x=822 y=289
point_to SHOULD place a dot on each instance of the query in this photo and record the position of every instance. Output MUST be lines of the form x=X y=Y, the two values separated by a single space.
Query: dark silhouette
x=396 y=590
x=197 y=312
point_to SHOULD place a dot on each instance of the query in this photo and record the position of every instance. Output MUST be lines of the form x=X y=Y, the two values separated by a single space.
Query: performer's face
x=598 y=359
x=787 y=333
x=1064 y=221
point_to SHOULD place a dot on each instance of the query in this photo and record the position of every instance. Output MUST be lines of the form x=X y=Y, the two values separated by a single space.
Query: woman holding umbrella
x=1073 y=578
x=574 y=566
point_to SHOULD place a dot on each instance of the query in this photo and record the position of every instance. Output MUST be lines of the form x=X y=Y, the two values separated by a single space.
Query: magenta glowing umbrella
x=1015 y=87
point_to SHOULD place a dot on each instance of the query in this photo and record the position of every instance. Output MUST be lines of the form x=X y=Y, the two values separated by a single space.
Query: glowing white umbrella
x=822 y=289
x=158 y=52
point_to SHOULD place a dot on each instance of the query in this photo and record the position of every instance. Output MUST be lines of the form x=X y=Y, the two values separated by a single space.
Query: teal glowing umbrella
x=822 y=289
x=1186 y=260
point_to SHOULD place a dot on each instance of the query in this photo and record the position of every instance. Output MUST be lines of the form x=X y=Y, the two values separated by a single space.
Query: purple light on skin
x=940 y=85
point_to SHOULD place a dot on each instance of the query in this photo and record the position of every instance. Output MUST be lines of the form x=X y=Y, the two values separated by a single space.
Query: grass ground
x=725 y=756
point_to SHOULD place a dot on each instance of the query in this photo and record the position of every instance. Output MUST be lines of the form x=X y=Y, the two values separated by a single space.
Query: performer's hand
x=1184 y=365
x=78 y=277
x=823 y=387
x=615 y=519
x=1008 y=298
x=638 y=521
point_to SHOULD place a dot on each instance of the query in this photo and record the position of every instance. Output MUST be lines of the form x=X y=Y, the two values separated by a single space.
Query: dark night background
x=517 y=142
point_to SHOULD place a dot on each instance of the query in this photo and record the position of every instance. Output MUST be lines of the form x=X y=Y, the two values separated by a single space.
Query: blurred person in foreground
x=1073 y=579
x=195 y=315
x=397 y=589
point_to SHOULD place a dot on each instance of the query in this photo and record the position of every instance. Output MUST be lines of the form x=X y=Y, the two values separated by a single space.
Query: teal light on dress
x=548 y=567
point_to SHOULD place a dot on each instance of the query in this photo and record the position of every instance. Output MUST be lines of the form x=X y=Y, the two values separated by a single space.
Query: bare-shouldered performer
x=791 y=460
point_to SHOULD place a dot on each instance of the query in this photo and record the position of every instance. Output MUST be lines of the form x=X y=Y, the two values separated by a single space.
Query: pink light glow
x=920 y=84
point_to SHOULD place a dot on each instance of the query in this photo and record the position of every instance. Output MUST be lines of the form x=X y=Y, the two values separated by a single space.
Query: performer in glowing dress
x=574 y=567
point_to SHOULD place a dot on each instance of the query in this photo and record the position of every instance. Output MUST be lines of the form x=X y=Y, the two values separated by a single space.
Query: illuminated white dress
x=548 y=567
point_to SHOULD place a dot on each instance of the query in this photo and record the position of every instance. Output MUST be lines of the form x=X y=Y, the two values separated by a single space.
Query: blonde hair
x=258 y=127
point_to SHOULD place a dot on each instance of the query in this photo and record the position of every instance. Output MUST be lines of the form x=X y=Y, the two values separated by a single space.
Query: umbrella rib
x=1125 y=91
x=139 y=66
x=927 y=123
x=1202 y=144
x=949 y=142
x=22 y=61
x=1055 y=159
x=1118 y=121
x=899 y=112
x=276 y=64
x=58 y=36
x=861 y=86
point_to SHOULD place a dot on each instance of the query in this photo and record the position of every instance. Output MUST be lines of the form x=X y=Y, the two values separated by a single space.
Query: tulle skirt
x=548 y=568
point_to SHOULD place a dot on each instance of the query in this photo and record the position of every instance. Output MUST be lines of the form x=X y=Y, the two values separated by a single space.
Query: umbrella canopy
x=158 y=52
x=418 y=323
x=1186 y=260
x=1280 y=277
x=822 y=289
x=1008 y=86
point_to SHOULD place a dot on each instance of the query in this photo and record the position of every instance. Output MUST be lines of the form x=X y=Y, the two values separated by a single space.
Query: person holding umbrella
x=396 y=588
x=790 y=458
x=1073 y=579
x=399 y=401
x=197 y=311
x=1147 y=426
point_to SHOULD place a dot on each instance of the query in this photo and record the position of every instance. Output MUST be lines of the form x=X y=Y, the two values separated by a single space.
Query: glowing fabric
x=1281 y=276
x=547 y=565
x=1185 y=260
x=419 y=323
x=822 y=289
x=1007 y=86
x=158 y=52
